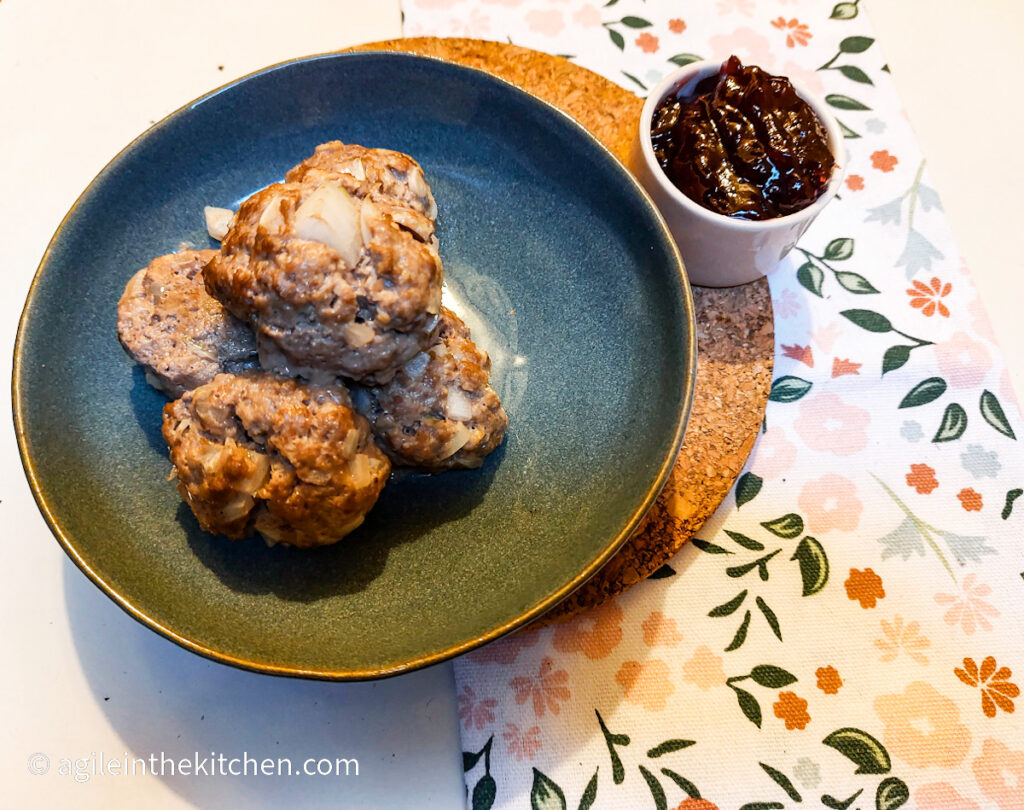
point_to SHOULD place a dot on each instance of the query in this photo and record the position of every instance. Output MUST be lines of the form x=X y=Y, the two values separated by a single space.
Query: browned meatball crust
x=330 y=282
x=392 y=180
x=179 y=333
x=439 y=411
x=256 y=452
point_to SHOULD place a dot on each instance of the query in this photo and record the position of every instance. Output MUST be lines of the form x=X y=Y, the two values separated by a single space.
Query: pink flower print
x=519 y=745
x=980 y=322
x=942 y=796
x=825 y=336
x=829 y=425
x=831 y=502
x=550 y=22
x=969 y=608
x=747 y=44
x=473 y=712
x=773 y=454
x=787 y=305
x=587 y=17
x=963 y=361
x=744 y=7
x=505 y=650
x=546 y=689
x=438 y=5
x=475 y=25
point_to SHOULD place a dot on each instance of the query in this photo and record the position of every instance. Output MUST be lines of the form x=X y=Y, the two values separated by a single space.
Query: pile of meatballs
x=311 y=352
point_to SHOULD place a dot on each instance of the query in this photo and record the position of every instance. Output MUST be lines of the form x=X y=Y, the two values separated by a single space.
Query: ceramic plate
x=563 y=270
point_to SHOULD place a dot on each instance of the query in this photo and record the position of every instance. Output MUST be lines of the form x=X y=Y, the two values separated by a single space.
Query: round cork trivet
x=735 y=334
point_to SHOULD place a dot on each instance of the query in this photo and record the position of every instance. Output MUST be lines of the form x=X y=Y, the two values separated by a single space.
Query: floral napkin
x=846 y=631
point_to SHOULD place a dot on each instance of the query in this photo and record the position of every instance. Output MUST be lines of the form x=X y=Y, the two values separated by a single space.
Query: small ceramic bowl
x=721 y=251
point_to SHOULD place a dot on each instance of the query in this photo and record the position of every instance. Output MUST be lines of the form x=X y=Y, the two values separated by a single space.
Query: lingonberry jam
x=743 y=144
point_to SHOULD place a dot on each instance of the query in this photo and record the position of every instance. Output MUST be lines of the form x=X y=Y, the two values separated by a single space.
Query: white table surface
x=79 y=80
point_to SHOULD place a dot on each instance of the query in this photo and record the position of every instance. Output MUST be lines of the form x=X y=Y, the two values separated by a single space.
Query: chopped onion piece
x=459 y=407
x=218 y=221
x=458 y=440
x=329 y=215
x=358 y=334
x=271 y=218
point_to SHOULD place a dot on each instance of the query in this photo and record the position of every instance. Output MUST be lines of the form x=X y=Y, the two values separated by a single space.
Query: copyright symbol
x=38 y=764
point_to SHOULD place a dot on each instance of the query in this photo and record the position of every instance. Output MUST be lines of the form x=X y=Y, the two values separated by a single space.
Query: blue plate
x=562 y=268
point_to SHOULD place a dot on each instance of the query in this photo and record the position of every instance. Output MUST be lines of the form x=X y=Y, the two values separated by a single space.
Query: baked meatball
x=392 y=180
x=172 y=327
x=256 y=452
x=439 y=411
x=330 y=283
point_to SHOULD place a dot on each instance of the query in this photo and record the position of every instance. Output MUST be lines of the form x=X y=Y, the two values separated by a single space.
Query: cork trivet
x=735 y=334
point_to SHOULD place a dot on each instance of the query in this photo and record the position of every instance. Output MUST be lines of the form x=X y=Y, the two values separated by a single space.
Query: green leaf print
x=788 y=389
x=854 y=73
x=748 y=705
x=847 y=132
x=810 y=556
x=663 y=572
x=895 y=357
x=730 y=607
x=771 y=676
x=746 y=542
x=741 y=634
x=842 y=11
x=1011 y=496
x=684 y=59
x=992 y=412
x=761 y=563
x=687 y=786
x=763 y=806
x=657 y=791
x=866 y=319
x=788 y=526
x=855 y=44
x=484 y=792
x=747 y=488
x=855 y=283
x=770 y=617
x=840 y=804
x=709 y=548
x=811 y=277
x=954 y=423
x=470 y=759
x=839 y=249
x=863 y=750
x=617 y=38
x=668 y=747
x=780 y=779
x=924 y=392
x=841 y=102
x=612 y=740
x=590 y=794
x=891 y=793
x=635 y=80
x=545 y=794
x=635 y=22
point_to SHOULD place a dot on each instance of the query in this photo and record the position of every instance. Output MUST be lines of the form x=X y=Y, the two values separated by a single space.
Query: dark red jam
x=743 y=144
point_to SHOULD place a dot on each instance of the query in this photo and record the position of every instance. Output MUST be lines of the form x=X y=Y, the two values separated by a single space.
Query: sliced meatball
x=330 y=283
x=439 y=411
x=256 y=452
x=179 y=333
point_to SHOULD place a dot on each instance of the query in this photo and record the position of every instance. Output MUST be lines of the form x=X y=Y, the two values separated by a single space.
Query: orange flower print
x=696 y=804
x=704 y=669
x=648 y=43
x=841 y=367
x=546 y=689
x=798 y=33
x=922 y=478
x=594 y=633
x=898 y=638
x=792 y=709
x=475 y=712
x=997 y=690
x=522 y=745
x=999 y=772
x=660 y=630
x=883 y=161
x=969 y=499
x=829 y=681
x=922 y=727
x=676 y=26
x=855 y=182
x=928 y=297
x=864 y=587
x=969 y=608
x=646 y=683
x=505 y=650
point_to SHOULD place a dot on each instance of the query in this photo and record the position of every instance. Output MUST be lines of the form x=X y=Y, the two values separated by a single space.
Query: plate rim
x=524 y=618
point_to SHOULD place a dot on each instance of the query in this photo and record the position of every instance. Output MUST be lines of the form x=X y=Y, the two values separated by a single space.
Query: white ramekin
x=721 y=251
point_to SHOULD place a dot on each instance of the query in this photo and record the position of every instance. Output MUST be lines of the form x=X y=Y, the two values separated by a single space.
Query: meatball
x=172 y=327
x=392 y=180
x=439 y=411
x=255 y=452
x=330 y=282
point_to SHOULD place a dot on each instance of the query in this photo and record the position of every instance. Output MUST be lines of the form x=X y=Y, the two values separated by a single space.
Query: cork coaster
x=735 y=333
